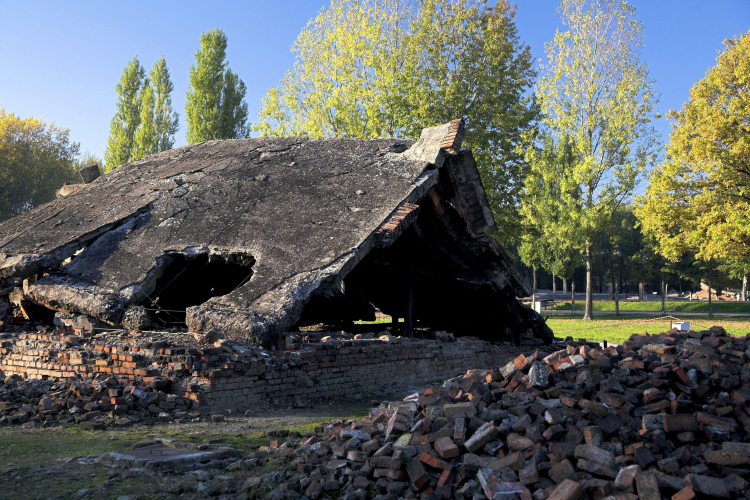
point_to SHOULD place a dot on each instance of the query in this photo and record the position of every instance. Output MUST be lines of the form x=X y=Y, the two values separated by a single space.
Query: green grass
x=655 y=306
x=615 y=329
x=35 y=448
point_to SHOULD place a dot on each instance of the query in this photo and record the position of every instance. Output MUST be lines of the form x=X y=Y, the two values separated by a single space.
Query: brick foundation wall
x=218 y=378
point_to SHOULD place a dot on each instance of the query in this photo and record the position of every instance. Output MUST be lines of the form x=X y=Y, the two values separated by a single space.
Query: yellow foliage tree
x=35 y=161
x=699 y=199
x=377 y=68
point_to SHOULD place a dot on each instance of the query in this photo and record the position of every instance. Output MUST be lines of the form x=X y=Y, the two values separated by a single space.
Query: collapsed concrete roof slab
x=291 y=218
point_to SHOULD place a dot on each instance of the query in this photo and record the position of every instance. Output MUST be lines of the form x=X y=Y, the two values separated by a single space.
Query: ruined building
x=254 y=237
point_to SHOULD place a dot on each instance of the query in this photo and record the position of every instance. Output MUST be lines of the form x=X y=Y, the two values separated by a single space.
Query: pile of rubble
x=658 y=416
x=90 y=403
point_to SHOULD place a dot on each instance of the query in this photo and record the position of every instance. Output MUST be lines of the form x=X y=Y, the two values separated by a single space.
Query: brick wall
x=218 y=378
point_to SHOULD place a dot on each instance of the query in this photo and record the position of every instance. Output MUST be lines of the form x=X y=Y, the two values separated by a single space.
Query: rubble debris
x=211 y=373
x=90 y=173
x=255 y=237
x=657 y=417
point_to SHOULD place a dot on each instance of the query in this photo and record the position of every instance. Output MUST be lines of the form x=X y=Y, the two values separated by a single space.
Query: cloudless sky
x=61 y=60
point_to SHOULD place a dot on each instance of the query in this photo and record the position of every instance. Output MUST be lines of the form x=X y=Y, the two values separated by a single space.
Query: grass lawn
x=613 y=328
x=655 y=306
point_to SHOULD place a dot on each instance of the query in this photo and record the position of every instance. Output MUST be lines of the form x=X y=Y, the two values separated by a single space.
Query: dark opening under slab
x=189 y=281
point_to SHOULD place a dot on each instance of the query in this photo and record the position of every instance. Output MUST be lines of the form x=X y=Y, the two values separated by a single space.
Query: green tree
x=699 y=198
x=36 y=159
x=548 y=238
x=122 y=128
x=145 y=140
x=374 y=68
x=233 y=116
x=738 y=268
x=166 y=119
x=215 y=107
x=595 y=92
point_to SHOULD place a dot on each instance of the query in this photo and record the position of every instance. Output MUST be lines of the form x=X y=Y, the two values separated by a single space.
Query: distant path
x=655 y=313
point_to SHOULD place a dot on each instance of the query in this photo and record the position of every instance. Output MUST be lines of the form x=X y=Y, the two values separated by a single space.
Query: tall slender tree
x=595 y=90
x=233 y=116
x=122 y=128
x=166 y=119
x=146 y=139
x=215 y=107
x=145 y=122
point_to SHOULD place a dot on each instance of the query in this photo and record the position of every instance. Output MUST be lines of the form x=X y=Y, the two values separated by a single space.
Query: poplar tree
x=596 y=92
x=122 y=128
x=166 y=119
x=145 y=122
x=145 y=139
x=215 y=107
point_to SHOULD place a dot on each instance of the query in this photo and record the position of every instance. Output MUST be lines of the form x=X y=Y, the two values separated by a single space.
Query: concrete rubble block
x=495 y=490
x=679 y=423
x=596 y=455
x=436 y=143
x=89 y=173
x=467 y=408
x=561 y=471
x=517 y=399
x=706 y=486
x=485 y=433
x=538 y=376
x=567 y=490
x=728 y=457
x=647 y=486
x=516 y=442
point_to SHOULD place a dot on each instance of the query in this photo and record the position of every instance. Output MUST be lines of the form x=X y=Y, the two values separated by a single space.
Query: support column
x=409 y=309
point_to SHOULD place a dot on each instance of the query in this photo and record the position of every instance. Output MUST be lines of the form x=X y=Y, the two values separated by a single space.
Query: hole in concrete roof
x=192 y=280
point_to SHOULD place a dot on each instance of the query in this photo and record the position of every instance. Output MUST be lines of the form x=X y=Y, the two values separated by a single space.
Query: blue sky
x=61 y=60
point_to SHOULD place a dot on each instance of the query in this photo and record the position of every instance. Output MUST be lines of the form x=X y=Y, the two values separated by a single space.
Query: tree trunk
x=588 y=314
x=617 y=299
x=613 y=288
x=533 y=291
x=710 y=304
x=663 y=309
x=565 y=285
x=554 y=284
x=744 y=289
x=573 y=294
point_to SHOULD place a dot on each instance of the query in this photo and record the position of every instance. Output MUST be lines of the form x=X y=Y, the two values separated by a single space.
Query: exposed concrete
x=302 y=213
x=167 y=454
